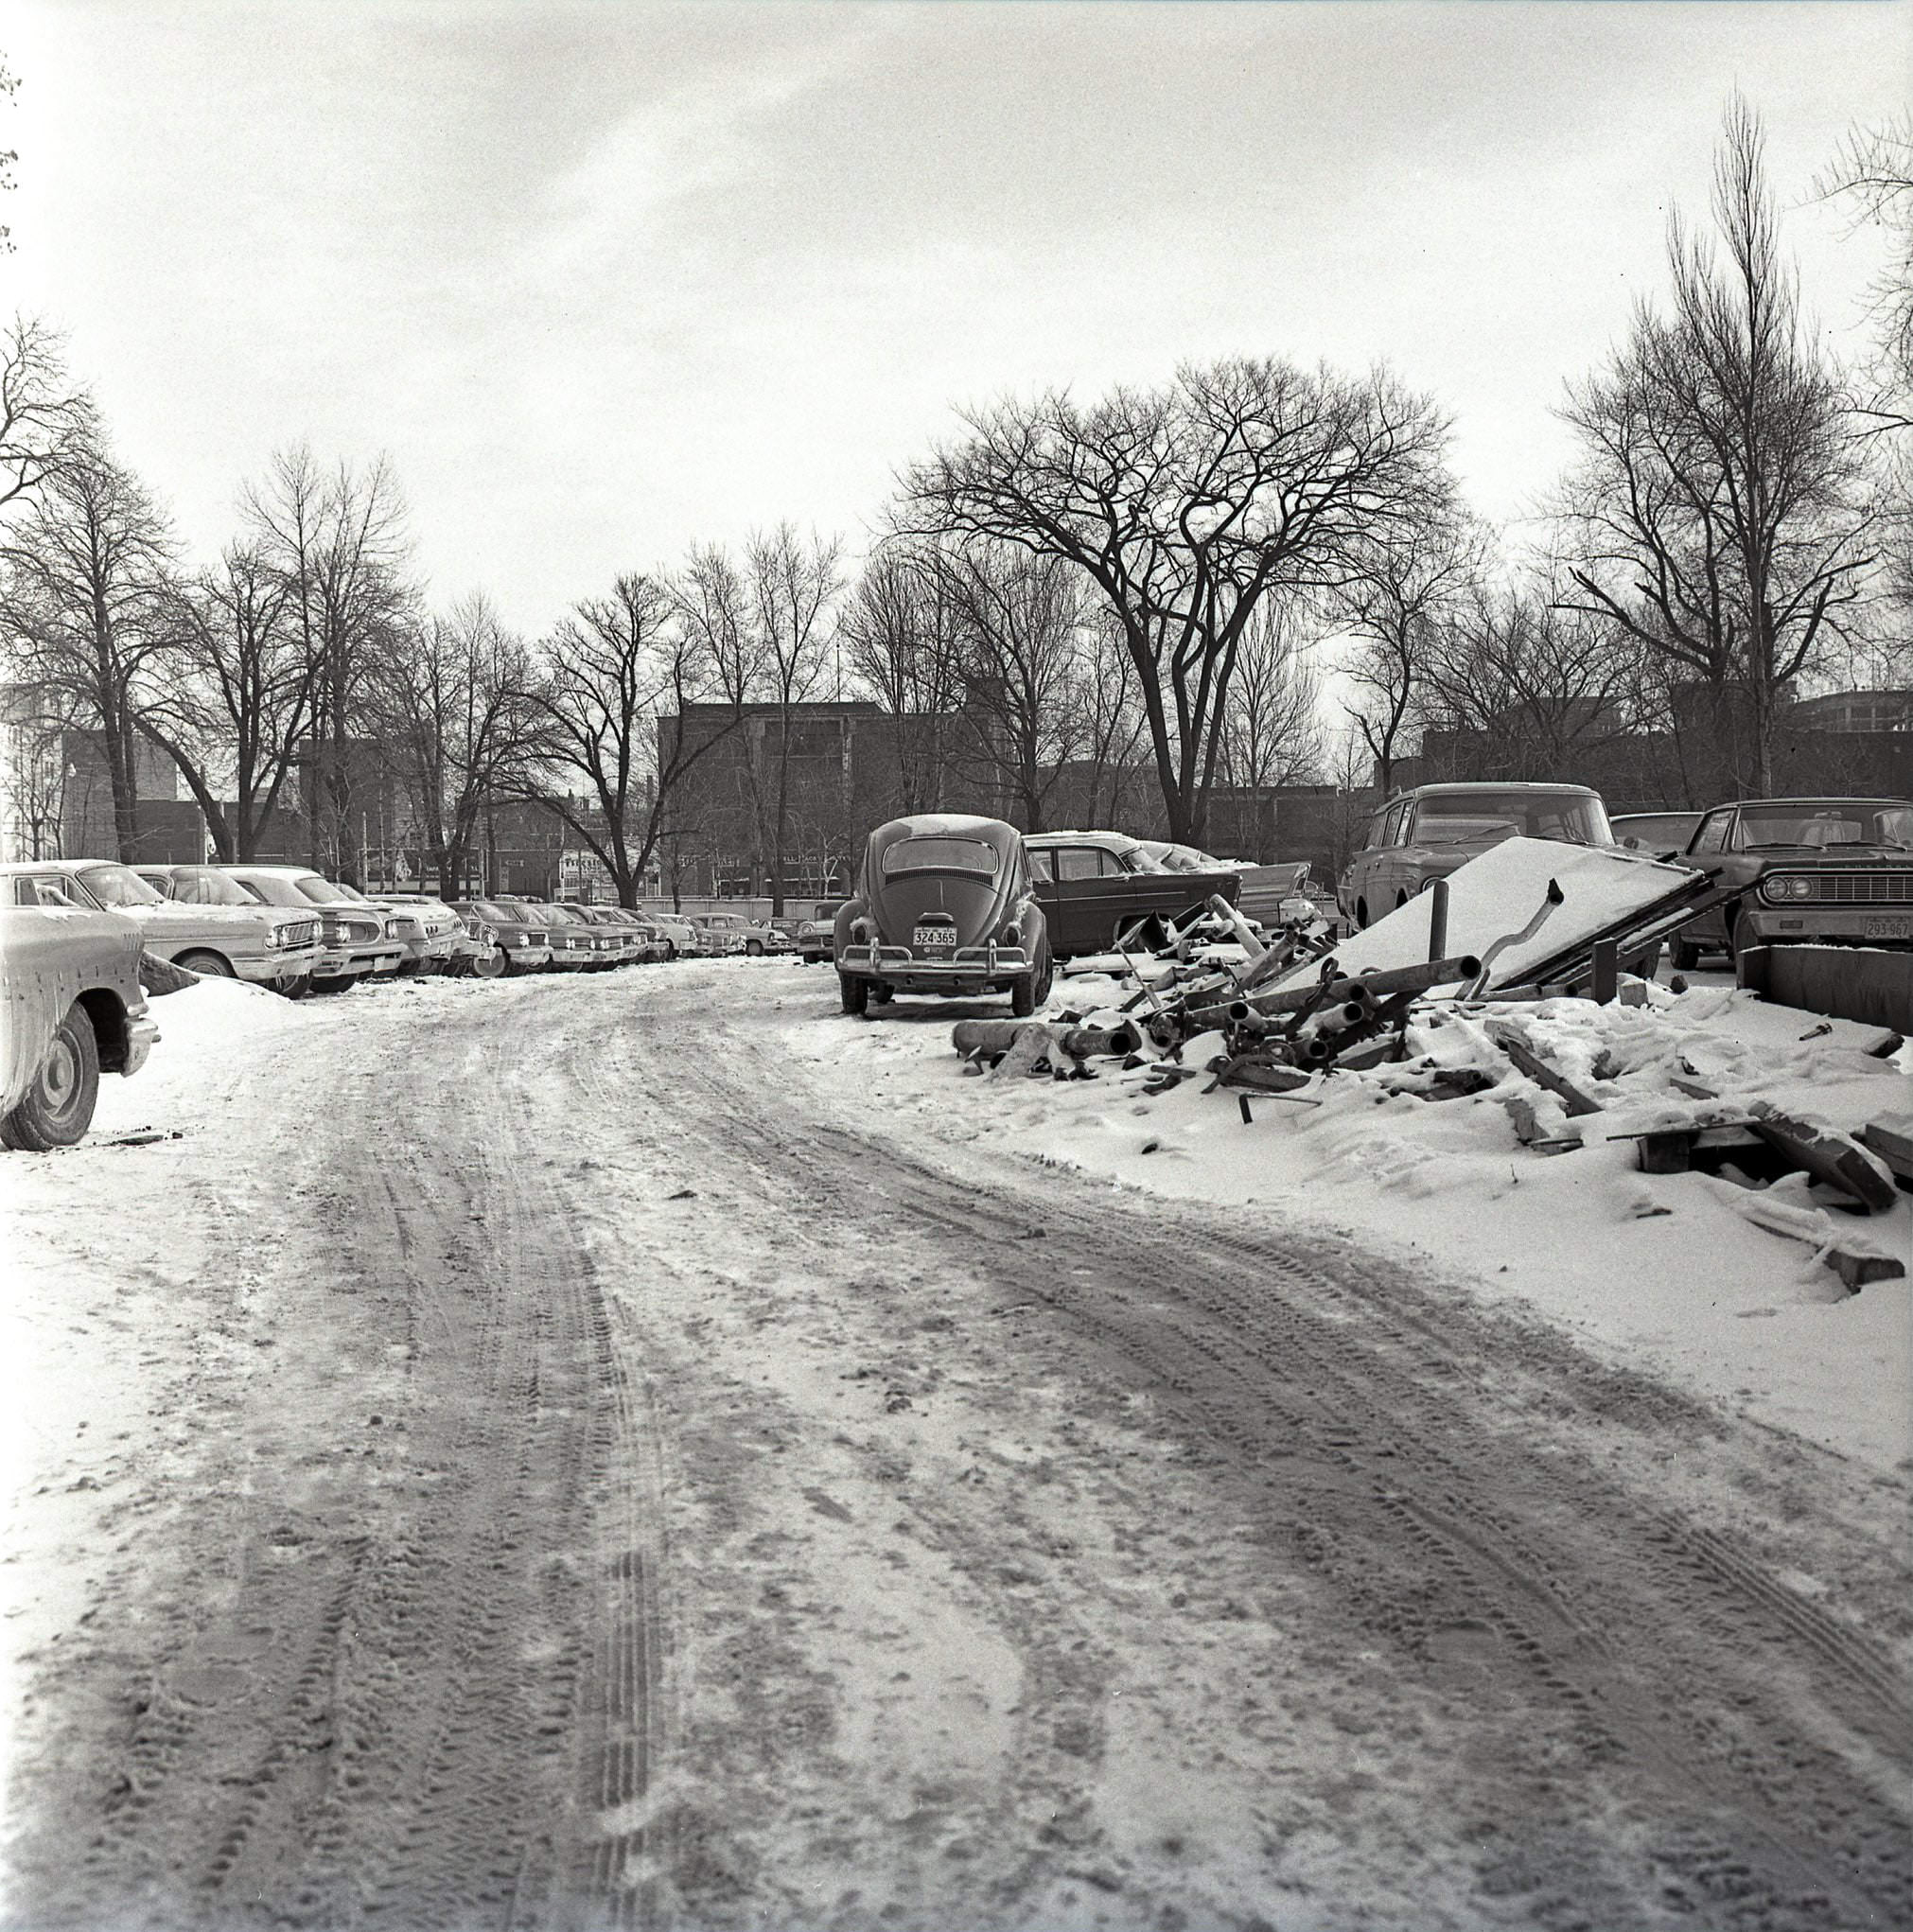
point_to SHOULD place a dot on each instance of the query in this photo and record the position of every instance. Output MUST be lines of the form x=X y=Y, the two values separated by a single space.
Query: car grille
x=1853 y=889
x=299 y=932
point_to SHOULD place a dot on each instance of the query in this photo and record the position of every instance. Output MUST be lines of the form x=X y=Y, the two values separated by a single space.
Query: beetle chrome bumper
x=967 y=964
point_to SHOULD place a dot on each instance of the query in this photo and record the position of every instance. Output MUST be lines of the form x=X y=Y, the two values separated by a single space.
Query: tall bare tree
x=86 y=605
x=897 y=634
x=1184 y=507
x=1018 y=615
x=766 y=630
x=1273 y=730
x=1717 y=514
x=237 y=703
x=1393 y=604
x=450 y=702
x=338 y=538
x=618 y=675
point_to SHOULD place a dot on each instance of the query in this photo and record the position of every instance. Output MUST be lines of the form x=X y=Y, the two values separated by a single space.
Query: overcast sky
x=606 y=279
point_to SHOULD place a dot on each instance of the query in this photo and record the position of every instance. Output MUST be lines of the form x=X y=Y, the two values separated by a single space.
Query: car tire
x=1045 y=977
x=336 y=982
x=207 y=965
x=1683 y=956
x=298 y=989
x=754 y=948
x=855 y=992
x=492 y=965
x=56 y=1109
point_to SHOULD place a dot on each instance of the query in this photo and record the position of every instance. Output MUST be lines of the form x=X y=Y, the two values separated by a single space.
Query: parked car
x=1097 y=886
x=443 y=944
x=945 y=903
x=1270 y=894
x=682 y=939
x=206 y=933
x=511 y=938
x=1832 y=871
x=1424 y=835
x=355 y=939
x=650 y=943
x=628 y=942
x=729 y=932
x=576 y=944
x=69 y=987
x=1660 y=833
x=813 y=934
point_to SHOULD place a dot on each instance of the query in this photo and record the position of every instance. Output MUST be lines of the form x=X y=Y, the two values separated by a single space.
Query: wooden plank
x=1891 y=1146
x=1826 y=1156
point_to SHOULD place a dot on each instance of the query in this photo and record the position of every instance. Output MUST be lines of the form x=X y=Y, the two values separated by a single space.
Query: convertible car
x=942 y=904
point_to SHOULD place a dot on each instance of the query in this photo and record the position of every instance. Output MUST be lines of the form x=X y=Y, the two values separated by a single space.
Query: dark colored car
x=1097 y=886
x=1654 y=831
x=1832 y=871
x=943 y=903
x=1426 y=834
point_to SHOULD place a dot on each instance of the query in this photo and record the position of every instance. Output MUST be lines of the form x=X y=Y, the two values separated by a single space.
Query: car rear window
x=940 y=856
x=1452 y=817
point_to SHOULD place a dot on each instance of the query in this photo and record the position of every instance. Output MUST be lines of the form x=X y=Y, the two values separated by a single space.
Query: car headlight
x=1012 y=934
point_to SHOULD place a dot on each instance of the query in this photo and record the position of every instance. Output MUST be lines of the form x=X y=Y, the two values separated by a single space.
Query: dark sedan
x=943 y=905
x=518 y=942
x=1097 y=886
x=1832 y=871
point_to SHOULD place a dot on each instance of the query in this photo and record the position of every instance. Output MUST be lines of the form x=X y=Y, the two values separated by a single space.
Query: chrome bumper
x=966 y=963
x=142 y=1036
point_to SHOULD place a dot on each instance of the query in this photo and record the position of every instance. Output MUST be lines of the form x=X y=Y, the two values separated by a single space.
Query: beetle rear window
x=940 y=856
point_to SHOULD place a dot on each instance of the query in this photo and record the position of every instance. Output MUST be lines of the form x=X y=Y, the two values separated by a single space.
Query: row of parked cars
x=1830 y=870
x=290 y=928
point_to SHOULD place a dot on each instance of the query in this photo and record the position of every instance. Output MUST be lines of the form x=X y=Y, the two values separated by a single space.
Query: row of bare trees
x=1112 y=607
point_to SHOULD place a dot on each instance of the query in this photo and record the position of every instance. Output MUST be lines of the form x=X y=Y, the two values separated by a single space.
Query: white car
x=210 y=932
x=356 y=938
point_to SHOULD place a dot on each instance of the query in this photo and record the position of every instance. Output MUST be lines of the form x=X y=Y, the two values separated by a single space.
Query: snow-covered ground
x=1667 y=1272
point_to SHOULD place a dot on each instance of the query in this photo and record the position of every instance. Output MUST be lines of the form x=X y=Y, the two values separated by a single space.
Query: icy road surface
x=539 y=1454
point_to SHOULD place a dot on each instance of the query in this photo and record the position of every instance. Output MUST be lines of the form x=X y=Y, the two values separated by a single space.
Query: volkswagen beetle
x=942 y=904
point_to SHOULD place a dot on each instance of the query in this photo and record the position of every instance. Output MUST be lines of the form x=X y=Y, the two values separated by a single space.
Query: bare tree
x=617 y=676
x=897 y=633
x=338 y=539
x=235 y=703
x=86 y=607
x=450 y=701
x=1717 y=514
x=1184 y=507
x=766 y=631
x=1273 y=728
x=1874 y=172
x=45 y=417
x=1533 y=686
x=1017 y=616
x=1401 y=590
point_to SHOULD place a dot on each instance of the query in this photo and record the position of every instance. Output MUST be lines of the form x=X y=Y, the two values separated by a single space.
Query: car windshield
x=1460 y=817
x=1819 y=826
x=940 y=856
x=202 y=886
x=324 y=892
x=119 y=885
x=1675 y=828
x=485 y=908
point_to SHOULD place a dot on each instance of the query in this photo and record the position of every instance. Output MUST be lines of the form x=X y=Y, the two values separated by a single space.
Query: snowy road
x=571 y=1464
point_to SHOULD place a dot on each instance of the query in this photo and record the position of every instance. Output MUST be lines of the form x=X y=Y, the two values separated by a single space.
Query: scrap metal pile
x=1539 y=1020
